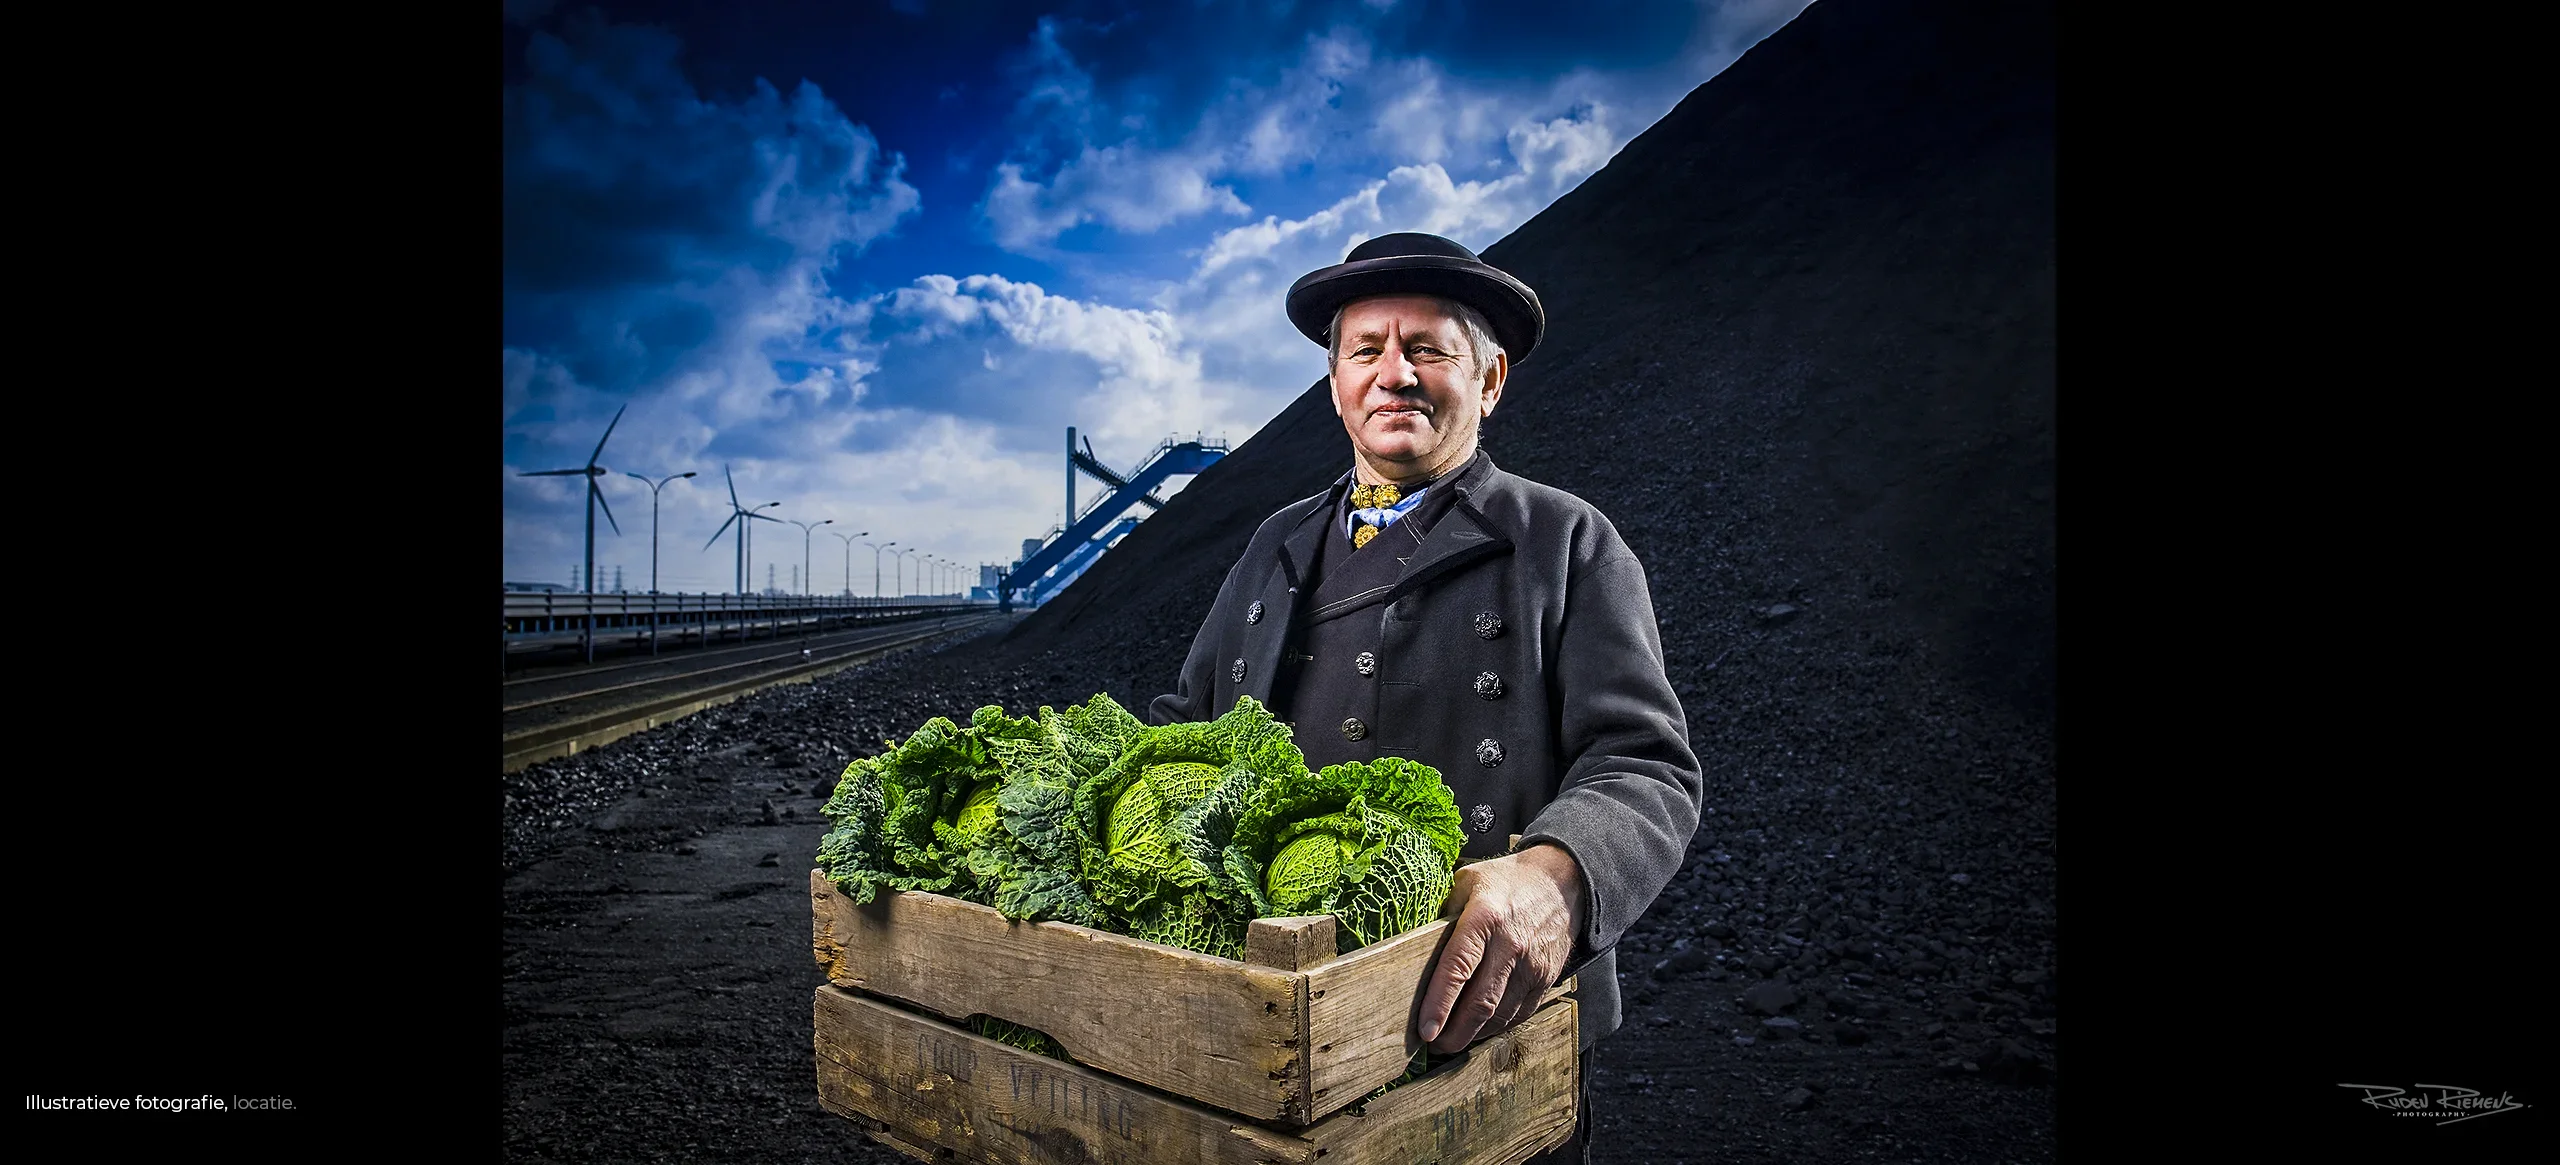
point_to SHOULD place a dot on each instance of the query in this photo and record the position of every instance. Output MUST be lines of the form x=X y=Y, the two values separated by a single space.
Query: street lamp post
x=747 y=548
x=654 y=487
x=901 y=556
x=848 y=557
x=805 y=529
x=876 y=548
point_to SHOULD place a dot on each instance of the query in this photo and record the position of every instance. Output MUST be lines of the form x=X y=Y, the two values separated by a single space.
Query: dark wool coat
x=1577 y=739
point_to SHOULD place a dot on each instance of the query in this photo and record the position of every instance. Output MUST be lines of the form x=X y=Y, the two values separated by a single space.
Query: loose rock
x=1769 y=997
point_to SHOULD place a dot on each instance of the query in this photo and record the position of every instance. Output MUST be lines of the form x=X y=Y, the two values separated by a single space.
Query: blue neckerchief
x=1385 y=516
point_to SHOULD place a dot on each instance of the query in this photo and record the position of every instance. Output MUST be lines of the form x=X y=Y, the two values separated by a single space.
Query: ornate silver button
x=1489 y=685
x=1480 y=819
x=1488 y=752
x=1253 y=614
x=1488 y=624
x=1365 y=663
x=1235 y=672
x=1353 y=729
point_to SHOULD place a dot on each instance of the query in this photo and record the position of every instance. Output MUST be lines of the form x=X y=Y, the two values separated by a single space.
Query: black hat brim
x=1517 y=318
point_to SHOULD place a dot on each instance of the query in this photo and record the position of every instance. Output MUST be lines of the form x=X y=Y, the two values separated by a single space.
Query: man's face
x=1407 y=386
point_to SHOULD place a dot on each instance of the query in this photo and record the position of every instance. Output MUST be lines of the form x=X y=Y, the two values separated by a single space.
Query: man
x=1431 y=606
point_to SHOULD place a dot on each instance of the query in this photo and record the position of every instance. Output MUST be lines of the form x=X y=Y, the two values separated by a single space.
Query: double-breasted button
x=1353 y=729
x=1366 y=663
x=1253 y=614
x=1480 y=819
x=1489 y=685
x=1235 y=672
x=1488 y=624
x=1488 y=752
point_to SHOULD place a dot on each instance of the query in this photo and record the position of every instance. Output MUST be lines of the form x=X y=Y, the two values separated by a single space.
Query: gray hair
x=1481 y=346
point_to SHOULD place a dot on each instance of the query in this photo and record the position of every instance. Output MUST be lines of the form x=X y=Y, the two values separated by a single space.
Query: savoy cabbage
x=1180 y=834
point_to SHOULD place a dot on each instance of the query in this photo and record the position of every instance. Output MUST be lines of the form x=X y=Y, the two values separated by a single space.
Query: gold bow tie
x=1370 y=497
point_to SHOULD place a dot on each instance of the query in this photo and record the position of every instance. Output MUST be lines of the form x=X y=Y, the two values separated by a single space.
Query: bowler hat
x=1411 y=263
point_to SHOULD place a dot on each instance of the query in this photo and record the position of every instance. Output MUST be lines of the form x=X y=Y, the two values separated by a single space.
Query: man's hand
x=1515 y=919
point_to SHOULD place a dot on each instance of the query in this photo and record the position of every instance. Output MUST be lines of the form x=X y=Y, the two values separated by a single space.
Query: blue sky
x=873 y=259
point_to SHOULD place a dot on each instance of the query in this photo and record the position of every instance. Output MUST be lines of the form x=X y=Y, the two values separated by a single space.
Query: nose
x=1395 y=371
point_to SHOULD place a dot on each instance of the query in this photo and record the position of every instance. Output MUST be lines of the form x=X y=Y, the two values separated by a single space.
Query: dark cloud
x=1176 y=57
x=636 y=213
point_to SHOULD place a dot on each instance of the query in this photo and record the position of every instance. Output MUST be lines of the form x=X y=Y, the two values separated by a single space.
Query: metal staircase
x=1070 y=552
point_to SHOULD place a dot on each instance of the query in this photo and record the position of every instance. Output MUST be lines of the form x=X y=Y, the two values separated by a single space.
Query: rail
x=686 y=694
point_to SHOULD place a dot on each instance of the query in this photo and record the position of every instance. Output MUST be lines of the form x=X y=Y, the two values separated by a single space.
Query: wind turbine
x=739 y=515
x=595 y=494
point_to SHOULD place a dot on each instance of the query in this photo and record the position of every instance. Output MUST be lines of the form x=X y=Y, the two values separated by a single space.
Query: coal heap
x=1800 y=350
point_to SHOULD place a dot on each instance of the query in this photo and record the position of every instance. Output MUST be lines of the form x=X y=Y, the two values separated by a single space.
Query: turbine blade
x=733 y=488
x=598 y=491
x=724 y=528
x=554 y=473
x=608 y=435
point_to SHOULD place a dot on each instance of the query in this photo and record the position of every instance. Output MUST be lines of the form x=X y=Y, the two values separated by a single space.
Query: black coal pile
x=1801 y=353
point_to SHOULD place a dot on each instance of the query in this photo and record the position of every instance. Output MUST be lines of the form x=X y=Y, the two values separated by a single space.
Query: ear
x=1495 y=374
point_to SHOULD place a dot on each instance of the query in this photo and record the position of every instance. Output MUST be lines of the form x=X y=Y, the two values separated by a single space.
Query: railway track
x=527 y=693
x=557 y=715
x=676 y=658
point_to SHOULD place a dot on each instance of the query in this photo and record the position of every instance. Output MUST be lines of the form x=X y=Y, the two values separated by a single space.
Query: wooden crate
x=939 y=1093
x=1284 y=1038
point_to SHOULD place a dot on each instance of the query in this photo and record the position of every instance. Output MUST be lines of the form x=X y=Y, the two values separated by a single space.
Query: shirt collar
x=1343 y=507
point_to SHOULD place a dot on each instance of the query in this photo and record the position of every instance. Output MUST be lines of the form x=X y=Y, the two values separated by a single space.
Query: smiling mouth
x=1397 y=410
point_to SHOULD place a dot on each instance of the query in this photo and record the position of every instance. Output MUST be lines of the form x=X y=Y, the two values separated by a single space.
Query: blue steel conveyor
x=1075 y=548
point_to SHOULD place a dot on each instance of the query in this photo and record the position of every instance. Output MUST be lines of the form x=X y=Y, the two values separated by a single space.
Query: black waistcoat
x=1328 y=686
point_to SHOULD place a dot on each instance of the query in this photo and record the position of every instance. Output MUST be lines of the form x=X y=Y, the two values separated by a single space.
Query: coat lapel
x=1457 y=540
x=1298 y=550
x=1281 y=594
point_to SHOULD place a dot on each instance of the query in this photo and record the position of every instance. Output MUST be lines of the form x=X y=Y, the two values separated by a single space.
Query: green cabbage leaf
x=1039 y=877
x=925 y=814
x=1374 y=843
x=1151 y=829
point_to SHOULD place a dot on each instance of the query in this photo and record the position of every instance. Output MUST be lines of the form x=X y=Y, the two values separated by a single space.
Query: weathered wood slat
x=936 y=1086
x=1360 y=1016
x=916 y=1151
x=1512 y=1097
x=1291 y=944
x=1224 y=1032
x=1349 y=1051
